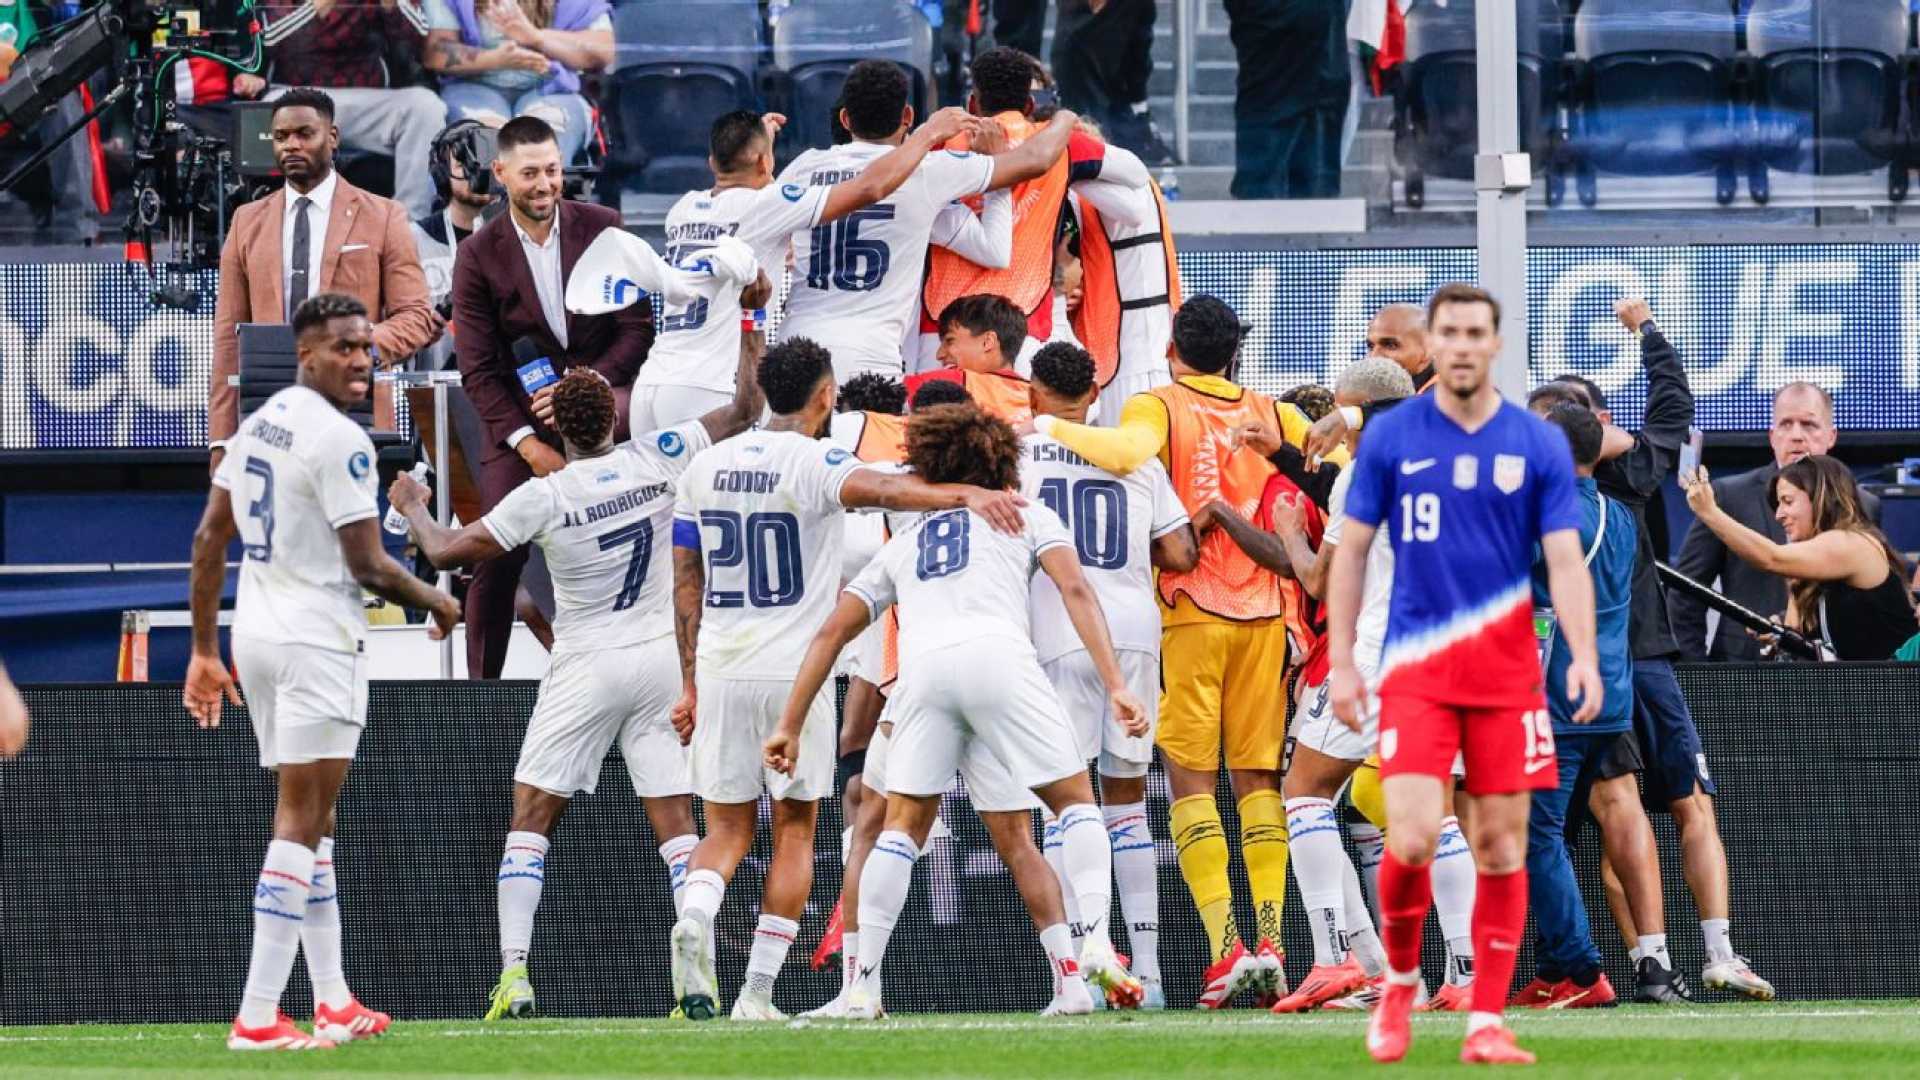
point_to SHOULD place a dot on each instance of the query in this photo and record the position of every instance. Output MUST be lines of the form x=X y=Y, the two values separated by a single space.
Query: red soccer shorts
x=1507 y=749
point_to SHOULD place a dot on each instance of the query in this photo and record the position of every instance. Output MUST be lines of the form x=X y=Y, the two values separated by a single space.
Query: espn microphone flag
x=619 y=268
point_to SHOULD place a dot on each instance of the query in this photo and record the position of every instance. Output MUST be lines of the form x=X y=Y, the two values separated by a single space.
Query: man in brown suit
x=509 y=283
x=317 y=234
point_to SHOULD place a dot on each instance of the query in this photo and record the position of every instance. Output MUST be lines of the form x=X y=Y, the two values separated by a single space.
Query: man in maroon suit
x=509 y=283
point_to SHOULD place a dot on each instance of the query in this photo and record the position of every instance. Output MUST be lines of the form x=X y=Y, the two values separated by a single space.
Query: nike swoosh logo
x=1536 y=766
x=1408 y=468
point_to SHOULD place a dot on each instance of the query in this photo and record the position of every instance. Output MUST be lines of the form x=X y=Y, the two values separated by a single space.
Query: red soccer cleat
x=1390 y=1032
x=281 y=1035
x=832 y=942
x=1451 y=998
x=1569 y=995
x=1493 y=1046
x=356 y=1021
x=1271 y=984
x=1229 y=975
x=1537 y=994
x=1323 y=984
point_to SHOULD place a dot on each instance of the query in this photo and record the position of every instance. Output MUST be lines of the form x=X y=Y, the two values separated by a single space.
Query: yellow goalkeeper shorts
x=1223 y=687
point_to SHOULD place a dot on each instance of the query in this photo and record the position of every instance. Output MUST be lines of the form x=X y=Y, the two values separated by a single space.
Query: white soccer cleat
x=1155 y=996
x=1737 y=976
x=1072 y=999
x=747 y=1007
x=1102 y=968
x=694 y=986
x=832 y=1010
x=861 y=1007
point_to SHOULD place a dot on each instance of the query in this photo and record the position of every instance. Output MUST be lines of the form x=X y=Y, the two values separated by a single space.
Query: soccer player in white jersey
x=962 y=589
x=297 y=487
x=1131 y=217
x=690 y=370
x=602 y=522
x=757 y=538
x=1122 y=528
x=857 y=281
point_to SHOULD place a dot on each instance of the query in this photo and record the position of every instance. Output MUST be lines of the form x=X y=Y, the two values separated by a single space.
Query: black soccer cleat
x=1656 y=985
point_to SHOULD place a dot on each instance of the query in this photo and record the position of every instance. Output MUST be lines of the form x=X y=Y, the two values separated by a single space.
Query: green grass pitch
x=1804 y=1041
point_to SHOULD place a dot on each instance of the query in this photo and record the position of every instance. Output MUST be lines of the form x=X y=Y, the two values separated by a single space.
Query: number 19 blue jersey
x=1463 y=513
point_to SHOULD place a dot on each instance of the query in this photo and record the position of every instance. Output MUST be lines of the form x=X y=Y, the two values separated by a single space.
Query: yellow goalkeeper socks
x=1263 y=846
x=1202 y=845
x=1366 y=795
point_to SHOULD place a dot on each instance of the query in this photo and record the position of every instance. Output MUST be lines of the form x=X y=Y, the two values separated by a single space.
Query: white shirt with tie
x=551 y=286
x=317 y=215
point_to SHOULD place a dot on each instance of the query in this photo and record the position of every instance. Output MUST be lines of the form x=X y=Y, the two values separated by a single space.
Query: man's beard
x=527 y=211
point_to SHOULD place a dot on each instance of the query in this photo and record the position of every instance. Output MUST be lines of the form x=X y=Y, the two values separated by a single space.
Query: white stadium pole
x=1502 y=174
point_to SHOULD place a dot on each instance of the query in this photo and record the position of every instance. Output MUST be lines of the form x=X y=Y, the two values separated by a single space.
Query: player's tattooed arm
x=689 y=590
x=1178 y=551
x=1062 y=565
x=902 y=491
x=735 y=416
x=445 y=548
x=208 y=680
x=1310 y=566
x=1263 y=547
x=850 y=616
x=376 y=572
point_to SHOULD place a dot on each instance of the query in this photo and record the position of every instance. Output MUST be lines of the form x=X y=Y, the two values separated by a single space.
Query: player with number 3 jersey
x=1466 y=485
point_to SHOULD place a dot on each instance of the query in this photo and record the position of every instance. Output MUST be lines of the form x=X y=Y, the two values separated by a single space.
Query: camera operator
x=318 y=234
x=461 y=153
x=70 y=170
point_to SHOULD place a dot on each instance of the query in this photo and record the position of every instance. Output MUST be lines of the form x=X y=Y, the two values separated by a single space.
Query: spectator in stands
x=1020 y=23
x=498 y=59
x=317 y=234
x=342 y=46
x=1291 y=98
x=1802 y=427
x=1846 y=583
x=510 y=283
x=1103 y=59
x=70 y=173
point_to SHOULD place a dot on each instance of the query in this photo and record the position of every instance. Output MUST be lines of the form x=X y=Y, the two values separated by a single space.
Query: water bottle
x=396 y=522
x=1170 y=185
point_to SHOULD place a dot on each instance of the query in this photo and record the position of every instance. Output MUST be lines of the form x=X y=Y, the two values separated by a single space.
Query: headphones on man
x=475 y=144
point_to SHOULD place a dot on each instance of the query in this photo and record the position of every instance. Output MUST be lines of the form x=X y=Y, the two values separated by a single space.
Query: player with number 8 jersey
x=1466 y=485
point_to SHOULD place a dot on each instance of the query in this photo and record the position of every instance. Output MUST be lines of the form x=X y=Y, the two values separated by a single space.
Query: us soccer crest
x=1509 y=472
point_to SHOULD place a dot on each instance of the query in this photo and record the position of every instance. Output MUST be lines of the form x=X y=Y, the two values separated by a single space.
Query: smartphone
x=1690 y=451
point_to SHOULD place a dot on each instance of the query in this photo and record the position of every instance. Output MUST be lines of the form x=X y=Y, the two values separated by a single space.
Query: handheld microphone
x=536 y=371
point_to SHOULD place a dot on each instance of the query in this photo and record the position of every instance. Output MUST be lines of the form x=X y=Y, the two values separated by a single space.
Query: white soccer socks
x=279 y=911
x=677 y=852
x=1313 y=839
x=1453 y=890
x=320 y=933
x=883 y=892
x=771 y=940
x=1362 y=940
x=1086 y=860
x=523 y=873
x=1050 y=847
x=1136 y=871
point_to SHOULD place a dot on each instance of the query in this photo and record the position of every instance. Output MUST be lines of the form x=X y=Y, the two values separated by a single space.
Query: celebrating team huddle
x=1082 y=541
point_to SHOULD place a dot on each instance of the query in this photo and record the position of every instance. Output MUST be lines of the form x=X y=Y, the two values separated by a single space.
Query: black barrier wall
x=130 y=842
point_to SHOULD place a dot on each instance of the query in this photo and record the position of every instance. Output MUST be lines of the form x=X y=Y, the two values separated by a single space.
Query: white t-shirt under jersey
x=298 y=470
x=1114 y=521
x=698 y=344
x=856 y=281
x=1370 y=629
x=957 y=578
x=603 y=523
x=764 y=510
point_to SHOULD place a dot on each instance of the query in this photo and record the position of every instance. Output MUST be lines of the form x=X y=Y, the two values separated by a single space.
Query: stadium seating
x=816 y=43
x=1831 y=80
x=678 y=64
x=1436 y=111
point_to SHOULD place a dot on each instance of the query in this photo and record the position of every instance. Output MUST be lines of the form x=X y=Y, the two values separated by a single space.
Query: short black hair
x=1549 y=395
x=1003 y=80
x=790 y=371
x=524 y=131
x=1064 y=368
x=1207 y=333
x=871 y=391
x=982 y=312
x=1582 y=428
x=875 y=96
x=319 y=309
x=734 y=138
x=935 y=392
x=1596 y=400
x=306 y=96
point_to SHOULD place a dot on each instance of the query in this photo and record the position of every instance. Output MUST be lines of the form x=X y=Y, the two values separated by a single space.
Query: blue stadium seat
x=815 y=44
x=1436 y=106
x=1656 y=92
x=1830 y=80
x=678 y=64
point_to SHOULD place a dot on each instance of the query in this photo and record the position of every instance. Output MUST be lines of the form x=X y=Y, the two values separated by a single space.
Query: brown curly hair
x=583 y=408
x=959 y=444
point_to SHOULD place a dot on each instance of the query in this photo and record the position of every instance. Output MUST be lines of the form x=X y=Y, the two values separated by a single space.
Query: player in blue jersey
x=1466 y=484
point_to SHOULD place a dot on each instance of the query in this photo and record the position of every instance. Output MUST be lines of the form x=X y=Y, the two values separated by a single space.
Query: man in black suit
x=510 y=282
x=1802 y=427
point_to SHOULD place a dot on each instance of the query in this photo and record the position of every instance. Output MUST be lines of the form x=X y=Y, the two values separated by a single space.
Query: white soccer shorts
x=591 y=701
x=1114 y=396
x=1316 y=728
x=1097 y=731
x=657 y=406
x=307 y=704
x=734 y=719
x=949 y=702
x=991 y=789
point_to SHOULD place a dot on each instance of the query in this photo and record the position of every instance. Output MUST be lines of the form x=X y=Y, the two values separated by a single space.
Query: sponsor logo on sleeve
x=792 y=192
x=836 y=456
x=671 y=444
x=359 y=466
